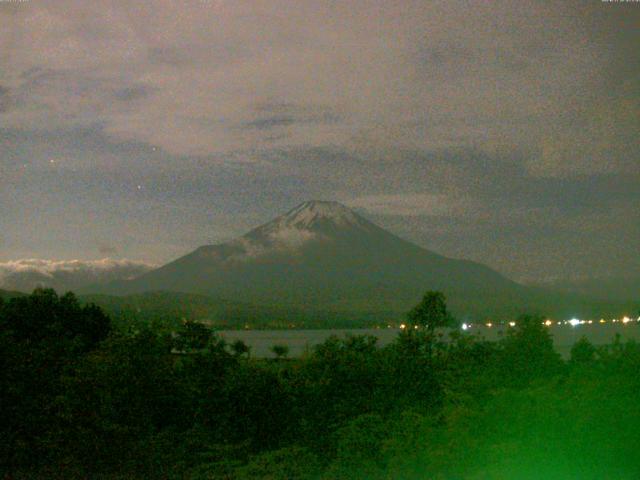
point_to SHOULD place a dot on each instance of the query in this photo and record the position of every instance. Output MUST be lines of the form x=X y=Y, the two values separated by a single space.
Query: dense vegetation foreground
x=79 y=400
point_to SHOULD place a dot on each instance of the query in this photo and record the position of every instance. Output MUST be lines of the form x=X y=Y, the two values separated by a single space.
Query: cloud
x=605 y=141
x=421 y=76
x=132 y=93
x=63 y=275
x=284 y=115
x=266 y=123
x=282 y=240
x=4 y=98
x=227 y=113
x=414 y=204
x=107 y=250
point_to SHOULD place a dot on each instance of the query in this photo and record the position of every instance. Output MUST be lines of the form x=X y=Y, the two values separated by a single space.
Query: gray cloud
x=494 y=75
x=417 y=205
x=64 y=275
x=132 y=93
x=4 y=98
x=465 y=127
x=107 y=250
x=168 y=55
x=284 y=116
x=267 y=123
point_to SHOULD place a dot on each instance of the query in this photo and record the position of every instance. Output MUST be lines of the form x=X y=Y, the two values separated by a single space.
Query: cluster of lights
x=574 y=322
x=403 y=326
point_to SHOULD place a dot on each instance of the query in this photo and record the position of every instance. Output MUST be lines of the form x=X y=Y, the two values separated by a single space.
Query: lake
x=298 y=341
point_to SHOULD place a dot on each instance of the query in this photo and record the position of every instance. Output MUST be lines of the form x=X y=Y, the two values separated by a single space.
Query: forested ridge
x=81 y=399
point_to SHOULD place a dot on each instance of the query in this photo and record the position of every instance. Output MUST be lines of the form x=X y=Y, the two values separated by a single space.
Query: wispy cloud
x=382 y=70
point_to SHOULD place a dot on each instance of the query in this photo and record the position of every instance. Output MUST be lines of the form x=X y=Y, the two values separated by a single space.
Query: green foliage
x=192 y=336
x=431 y=312
x=118 y=395
x=42 y=336
x=280 y=351
x=294 y=463
x=240 y=348
x=359 y=448
x=44 y=317
x=527 y=352
x=79 y=401
x=583 y=352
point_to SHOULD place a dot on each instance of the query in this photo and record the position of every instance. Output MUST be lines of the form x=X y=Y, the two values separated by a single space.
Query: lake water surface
x=299 y=341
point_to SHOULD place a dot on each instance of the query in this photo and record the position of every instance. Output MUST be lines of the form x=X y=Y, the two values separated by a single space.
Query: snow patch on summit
x=308 y=214
x=314 y=220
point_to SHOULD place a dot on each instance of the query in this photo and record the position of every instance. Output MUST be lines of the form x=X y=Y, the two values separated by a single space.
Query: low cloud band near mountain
x=64 y=275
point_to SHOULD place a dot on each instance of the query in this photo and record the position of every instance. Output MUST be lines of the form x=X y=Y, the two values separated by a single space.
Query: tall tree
x=431 y=312
x=192 y=336
x=239 y=348
x=42 y=336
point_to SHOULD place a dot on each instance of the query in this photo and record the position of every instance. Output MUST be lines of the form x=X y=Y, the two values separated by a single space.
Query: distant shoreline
x=301 y=340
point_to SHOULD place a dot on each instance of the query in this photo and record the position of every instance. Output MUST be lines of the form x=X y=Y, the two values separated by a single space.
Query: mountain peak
x=311 y=220
x=312 y=212
x=321 y=253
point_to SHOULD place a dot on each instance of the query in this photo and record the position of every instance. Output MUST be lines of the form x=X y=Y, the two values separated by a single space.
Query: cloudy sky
x=501 y=131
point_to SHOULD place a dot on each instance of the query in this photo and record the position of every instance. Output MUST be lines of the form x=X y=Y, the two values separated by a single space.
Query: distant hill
x=7 y=295
x=166 y=310
x=323 y=256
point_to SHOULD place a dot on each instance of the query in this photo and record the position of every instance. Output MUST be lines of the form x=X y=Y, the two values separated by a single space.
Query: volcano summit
x=322 y=254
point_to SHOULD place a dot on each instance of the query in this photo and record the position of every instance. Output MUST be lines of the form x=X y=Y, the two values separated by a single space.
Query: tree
x=359 y=448
x=280 y=351
x=527 y=352
x=240 y=348
x=42 y=337
x=125 y=391
x=431 y=312
x=252 y=405
x=290 y=462
x=192 y=336
x=583 y=352
x=43 y=317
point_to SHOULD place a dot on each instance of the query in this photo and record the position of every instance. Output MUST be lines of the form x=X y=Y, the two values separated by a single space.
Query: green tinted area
x=80 y=399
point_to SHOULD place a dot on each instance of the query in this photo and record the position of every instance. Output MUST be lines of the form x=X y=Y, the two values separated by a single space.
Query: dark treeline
x=82 y=400
x=165 y=312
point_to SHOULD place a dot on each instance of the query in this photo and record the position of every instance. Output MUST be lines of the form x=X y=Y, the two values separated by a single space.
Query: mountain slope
x=8 y=295
x=322 y=254
x=622 y=288
x=165 y=311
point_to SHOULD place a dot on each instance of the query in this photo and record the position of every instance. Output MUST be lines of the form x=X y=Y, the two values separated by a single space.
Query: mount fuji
x=322 y=254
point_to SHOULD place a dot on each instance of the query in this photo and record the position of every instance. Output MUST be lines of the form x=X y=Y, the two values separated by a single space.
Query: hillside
x=164 y=311
x=7 y=294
